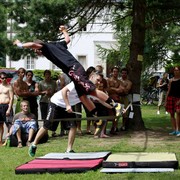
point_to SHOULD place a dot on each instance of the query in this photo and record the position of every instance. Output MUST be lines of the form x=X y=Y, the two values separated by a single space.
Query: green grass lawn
x=154 y=139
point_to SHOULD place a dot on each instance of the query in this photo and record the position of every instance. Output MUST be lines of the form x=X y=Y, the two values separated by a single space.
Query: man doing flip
x=58 y=54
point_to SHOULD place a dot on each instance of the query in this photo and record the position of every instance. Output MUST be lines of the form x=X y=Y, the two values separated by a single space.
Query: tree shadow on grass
x=152 y=138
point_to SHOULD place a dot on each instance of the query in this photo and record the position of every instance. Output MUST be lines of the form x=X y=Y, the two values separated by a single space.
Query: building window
x=83 y=61
x=30 y=63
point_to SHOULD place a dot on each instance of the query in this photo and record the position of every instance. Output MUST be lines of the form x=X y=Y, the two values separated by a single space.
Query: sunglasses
x=3 y=77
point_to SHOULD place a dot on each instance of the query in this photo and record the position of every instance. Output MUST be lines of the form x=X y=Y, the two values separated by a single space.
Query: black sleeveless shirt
x=175 y=89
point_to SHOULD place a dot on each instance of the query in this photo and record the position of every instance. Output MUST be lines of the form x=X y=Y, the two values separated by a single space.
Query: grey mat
x=124 y=170
x=87 y=155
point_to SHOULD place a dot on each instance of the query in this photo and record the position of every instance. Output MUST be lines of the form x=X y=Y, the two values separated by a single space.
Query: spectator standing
x=6 y=103
x=114 y=90
x=172 y=102
x=163 y=88
x=102 y=85
x=62 y=81
x=34 y=89
x=127 y=85
x=88 y=114
x=47 y=88
x=21 y=89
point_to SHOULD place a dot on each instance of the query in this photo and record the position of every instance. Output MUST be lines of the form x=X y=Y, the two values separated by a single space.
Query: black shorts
x=3 y=109
x=56 y=112
x=82 y=84
x=3 y=118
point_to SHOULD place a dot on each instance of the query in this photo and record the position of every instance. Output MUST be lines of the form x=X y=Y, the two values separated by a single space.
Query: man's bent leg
x=42 y=131
x=32 y=148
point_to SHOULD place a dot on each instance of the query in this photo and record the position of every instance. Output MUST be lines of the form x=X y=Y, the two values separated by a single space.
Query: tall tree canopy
x=147 y=30
x=3 y=38
x=40 y=19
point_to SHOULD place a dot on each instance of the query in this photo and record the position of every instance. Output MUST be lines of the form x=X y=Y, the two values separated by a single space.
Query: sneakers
x=158 y=112
x=174 y=133
x=71 y=151
x=32 y=150
x=178 y=133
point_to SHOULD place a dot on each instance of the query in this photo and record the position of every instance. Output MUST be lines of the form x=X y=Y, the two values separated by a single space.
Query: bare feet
x=101 y=136
x=104 y=136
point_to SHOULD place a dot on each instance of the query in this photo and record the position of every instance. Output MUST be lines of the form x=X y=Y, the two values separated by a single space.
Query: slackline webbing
x=85 y=118
x=92 y=118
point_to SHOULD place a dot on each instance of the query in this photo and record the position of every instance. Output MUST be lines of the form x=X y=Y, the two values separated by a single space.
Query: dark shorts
x=82 y=84
x=171 y=105
x=3 y=118
x=56 y=112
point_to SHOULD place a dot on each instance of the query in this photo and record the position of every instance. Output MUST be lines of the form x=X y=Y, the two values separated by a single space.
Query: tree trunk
x=134 y=64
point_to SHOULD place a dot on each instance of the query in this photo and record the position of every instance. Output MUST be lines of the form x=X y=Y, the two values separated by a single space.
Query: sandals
x=20 y=144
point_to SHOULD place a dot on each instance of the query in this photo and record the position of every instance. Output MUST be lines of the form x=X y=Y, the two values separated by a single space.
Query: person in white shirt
x=60 y=107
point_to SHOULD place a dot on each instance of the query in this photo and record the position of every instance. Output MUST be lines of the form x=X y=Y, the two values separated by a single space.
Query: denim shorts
x=24 y=125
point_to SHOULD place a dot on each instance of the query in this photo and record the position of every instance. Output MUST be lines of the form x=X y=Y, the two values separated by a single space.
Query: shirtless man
x=127 y=84
x=114 y=90
x=6 y=102
x=21 y=89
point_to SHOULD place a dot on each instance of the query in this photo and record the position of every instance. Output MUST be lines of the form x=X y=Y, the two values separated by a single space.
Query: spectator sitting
x=25 y=122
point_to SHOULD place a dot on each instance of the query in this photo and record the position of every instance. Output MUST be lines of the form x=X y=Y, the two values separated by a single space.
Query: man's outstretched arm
x=31 y=45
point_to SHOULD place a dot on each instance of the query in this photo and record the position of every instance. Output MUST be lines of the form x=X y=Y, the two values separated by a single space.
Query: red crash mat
x=56 y=165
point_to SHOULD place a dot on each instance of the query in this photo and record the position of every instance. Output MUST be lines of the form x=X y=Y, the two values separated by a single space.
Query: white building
x=82 y=46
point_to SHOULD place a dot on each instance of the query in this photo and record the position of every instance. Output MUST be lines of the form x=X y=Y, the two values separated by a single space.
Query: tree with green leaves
x=150 y=29
x=3 y=38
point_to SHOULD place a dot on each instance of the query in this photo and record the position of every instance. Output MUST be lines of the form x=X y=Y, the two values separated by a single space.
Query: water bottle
x=8 y=144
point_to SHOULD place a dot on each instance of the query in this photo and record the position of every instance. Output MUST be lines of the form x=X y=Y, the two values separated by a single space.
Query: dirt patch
x=152 y=138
